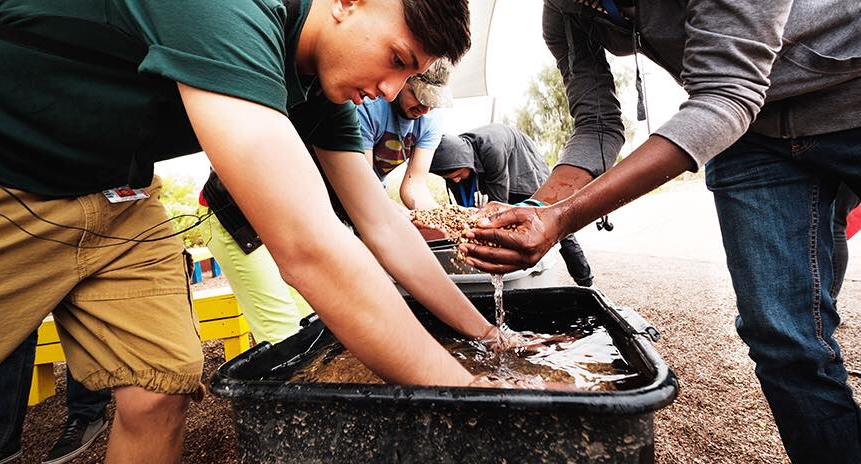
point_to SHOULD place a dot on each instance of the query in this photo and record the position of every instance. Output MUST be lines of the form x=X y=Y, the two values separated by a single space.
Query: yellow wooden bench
x=220 y=319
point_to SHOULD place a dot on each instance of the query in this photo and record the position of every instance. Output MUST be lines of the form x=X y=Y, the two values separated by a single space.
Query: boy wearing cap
x=405 y=131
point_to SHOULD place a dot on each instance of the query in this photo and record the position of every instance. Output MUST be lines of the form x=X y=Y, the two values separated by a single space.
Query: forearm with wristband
x=531 y=202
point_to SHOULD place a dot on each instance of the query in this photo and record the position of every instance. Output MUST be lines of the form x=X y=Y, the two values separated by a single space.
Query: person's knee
x=137 y=407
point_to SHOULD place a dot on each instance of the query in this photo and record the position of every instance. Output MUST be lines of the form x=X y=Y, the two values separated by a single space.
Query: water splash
x=496 y=280
x=584 y=358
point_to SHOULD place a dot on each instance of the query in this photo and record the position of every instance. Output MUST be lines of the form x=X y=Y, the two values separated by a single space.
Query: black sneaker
x=9 y=453
x=77 y=436
x=587 y=282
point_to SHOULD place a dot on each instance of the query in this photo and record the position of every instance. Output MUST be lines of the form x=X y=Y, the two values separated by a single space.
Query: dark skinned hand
x=535 y=230
x=522 y=235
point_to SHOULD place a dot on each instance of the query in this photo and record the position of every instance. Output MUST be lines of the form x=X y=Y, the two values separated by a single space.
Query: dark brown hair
x=440 y=26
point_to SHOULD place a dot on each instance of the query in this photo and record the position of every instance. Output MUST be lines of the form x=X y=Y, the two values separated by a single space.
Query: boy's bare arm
x=414 y=189
x=397 y=244
x=266 y=167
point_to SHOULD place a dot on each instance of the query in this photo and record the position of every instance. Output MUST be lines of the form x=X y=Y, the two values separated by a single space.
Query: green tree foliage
x=544 y=117
x=179 y=197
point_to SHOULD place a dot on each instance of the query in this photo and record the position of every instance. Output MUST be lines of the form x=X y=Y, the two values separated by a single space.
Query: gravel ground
x=720 y=415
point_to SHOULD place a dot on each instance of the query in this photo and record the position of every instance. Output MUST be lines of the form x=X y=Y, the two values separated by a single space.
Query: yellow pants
x=273 y=308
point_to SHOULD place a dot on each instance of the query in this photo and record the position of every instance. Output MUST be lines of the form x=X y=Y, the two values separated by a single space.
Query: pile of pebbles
x=453 y=220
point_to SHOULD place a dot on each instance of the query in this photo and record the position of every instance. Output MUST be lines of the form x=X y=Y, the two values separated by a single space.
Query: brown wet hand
x=513 y=239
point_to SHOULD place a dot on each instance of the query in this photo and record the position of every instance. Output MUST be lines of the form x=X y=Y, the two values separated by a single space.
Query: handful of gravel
x=453 y=220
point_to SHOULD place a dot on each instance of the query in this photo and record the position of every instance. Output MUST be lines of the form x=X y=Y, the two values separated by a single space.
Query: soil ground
x=720 y=415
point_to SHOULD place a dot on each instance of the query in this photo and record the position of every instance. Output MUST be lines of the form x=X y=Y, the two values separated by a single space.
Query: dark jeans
x=575 y=261
x=16 y=373
x=845 y=202
x=85 y=403
x=774 y=199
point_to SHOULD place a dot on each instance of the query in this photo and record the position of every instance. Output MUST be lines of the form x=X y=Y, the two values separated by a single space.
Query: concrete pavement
x=677 y=221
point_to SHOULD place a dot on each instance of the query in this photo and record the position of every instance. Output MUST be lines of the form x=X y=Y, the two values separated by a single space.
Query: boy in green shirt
x=93 y=93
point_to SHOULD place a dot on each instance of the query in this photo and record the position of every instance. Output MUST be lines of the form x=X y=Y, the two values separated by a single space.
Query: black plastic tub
x=279 y=421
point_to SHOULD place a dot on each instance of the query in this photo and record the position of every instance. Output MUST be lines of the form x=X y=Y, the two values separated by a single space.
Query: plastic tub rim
x=660 y=392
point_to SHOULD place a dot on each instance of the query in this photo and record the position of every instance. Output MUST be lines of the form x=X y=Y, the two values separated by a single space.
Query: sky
x=515 y=54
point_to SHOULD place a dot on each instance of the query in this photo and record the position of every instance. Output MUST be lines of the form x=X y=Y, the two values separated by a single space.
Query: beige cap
x=431 y=87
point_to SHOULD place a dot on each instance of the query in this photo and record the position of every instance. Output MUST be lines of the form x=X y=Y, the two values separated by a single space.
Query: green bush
x=179 y=196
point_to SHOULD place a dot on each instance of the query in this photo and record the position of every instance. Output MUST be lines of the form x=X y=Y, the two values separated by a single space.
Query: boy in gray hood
x=774 y=115
x=505 y=164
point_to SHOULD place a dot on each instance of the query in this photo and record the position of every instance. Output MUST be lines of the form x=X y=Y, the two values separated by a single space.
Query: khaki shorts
x=123 y=308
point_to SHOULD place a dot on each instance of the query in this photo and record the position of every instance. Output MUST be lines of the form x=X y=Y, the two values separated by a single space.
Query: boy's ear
x=341 y=9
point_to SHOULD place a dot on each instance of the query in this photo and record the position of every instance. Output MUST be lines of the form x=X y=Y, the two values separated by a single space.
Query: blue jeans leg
x=845 y=202
x=83 y=402
x=16 y=374
x=774 y=203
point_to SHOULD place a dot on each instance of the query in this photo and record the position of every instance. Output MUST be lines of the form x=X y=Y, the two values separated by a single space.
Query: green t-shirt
x=88 y=96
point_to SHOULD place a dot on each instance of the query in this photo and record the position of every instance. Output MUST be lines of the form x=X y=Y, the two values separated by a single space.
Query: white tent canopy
x=469 y=78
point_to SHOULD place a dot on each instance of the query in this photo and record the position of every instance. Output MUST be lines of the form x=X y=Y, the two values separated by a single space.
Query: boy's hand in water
x=504 y=339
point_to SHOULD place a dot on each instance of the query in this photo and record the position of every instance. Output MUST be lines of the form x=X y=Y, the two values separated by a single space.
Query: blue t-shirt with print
x=393 y=138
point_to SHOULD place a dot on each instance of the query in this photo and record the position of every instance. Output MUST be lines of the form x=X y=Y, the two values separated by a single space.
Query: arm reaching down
x=397 y=244
x=265 y=165
x=536 y=230
x=414 y=189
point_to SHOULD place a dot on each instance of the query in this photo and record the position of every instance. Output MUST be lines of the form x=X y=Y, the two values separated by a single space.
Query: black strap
x=229 y=215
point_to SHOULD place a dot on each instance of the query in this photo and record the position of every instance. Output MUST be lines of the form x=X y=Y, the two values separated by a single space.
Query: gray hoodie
x=780 y=68
x=506 y=160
